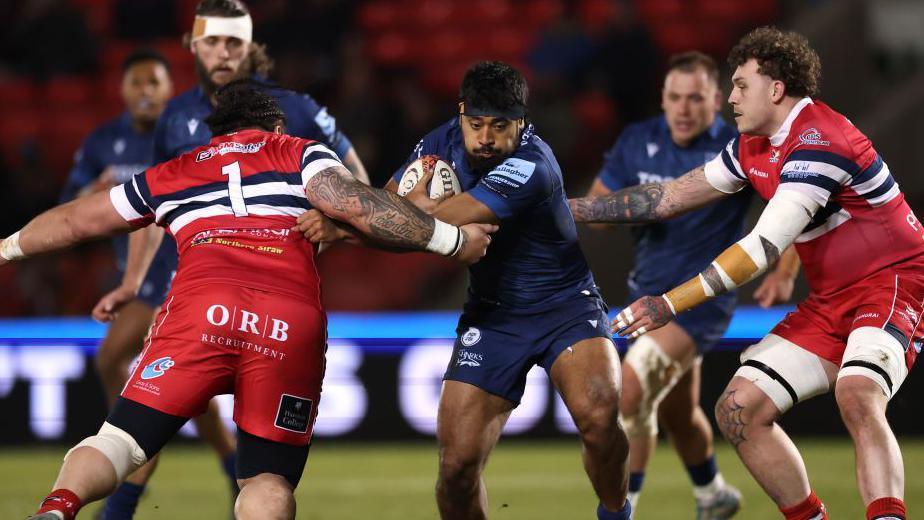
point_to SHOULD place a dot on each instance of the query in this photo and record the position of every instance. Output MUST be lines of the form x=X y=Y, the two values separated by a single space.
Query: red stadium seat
x=680 y=35
x=179 y=57
x=596 y=15
x=652 y=10
x=115 y=52
x=62 y=132
x=540 y=13
x=69 y=92
x=382 y=15
x=17 y=94
x=444 y=78
x=17 y=126
x=392 y=48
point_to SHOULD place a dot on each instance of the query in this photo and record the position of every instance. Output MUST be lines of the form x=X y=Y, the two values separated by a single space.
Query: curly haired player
x=861 y=246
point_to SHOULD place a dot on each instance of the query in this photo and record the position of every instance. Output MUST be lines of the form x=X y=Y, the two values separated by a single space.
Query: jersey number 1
x=235 y=191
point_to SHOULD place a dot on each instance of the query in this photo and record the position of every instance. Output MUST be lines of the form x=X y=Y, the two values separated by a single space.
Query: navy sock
x=122 y=503
x=623 y=514
x=228 y=463
x=702 y=474
x=635 y=481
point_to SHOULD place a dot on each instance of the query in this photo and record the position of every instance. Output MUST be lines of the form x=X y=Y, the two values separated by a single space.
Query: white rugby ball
x=444 y=178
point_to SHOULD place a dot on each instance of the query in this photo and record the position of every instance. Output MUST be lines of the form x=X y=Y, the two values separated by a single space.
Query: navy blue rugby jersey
x=182 y=125
x=671 y=252
x=114 y=144
x=534 y=259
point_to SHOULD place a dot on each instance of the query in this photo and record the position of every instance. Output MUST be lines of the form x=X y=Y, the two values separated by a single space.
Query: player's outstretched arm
x=784 y=218
x=63 y=226
x=648 y=202
x=389 y=220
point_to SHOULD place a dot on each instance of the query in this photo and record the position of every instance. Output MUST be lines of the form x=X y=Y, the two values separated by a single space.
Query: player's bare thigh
x=123 y=341
x=469 y=421
x=587 y=374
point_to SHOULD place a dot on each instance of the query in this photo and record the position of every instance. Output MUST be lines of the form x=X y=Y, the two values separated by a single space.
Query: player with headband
x=221 y=40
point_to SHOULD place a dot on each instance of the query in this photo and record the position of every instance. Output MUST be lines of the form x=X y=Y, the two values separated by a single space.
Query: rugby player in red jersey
x=862 y=248
x=244 y=314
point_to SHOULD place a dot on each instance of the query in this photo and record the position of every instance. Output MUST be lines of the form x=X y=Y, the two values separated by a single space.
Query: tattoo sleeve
x=648 y=202
x=381 y=216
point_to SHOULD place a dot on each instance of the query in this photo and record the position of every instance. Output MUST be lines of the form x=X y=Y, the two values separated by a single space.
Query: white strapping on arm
x=9 y=248
x=446 y=240
x=787 y=214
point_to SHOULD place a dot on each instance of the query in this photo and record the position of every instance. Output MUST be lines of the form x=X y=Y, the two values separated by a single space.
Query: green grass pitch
x=526 y=480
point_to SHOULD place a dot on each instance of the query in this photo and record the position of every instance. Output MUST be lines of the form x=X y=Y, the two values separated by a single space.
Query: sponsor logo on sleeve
x=191 y=125
x=512 y=174
x=118 y=146
x=775 y=155
x=326 y=122
x=813 y=136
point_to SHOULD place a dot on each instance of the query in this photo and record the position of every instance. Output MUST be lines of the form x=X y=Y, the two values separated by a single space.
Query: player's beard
x=205 y=79
x=483 y=165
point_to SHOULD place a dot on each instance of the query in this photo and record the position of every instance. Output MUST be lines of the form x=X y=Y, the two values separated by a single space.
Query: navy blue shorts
x=707 y=323
x=496 y=347
x=157 y=282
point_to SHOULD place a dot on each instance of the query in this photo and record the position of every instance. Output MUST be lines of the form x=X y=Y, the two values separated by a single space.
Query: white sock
x=632 y=497
x=710 y=489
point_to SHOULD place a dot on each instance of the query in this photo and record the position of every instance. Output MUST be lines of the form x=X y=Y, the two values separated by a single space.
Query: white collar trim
x=781 y=134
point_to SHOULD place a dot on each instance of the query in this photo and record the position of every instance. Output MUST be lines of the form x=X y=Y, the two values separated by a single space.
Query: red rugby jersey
x=230 y=205
x=864 y=223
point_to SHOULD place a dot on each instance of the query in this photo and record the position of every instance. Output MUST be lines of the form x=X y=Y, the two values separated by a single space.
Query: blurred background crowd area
x=389 y=71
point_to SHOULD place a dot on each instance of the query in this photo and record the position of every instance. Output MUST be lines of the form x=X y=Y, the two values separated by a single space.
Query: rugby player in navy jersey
x=111 y=155
x=662 y=369
x=221 y=42
x=532 y=299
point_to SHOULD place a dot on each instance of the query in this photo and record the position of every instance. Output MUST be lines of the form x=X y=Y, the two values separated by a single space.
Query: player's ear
x=777 y=91
x=279 y=129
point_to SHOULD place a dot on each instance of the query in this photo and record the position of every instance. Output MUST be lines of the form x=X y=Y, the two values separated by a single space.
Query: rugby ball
x=444 y=178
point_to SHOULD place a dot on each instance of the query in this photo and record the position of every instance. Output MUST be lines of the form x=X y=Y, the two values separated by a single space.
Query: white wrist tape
x=446 y=240
x=9 y=248
x=238 y=27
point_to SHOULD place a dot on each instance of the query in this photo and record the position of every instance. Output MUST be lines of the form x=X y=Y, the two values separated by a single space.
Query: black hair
x=495 y=87
x=144 y=54
x=224 y=8
x=244 y=104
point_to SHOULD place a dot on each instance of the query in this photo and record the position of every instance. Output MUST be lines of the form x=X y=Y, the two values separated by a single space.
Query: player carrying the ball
x=532 y=299
x=862 y=249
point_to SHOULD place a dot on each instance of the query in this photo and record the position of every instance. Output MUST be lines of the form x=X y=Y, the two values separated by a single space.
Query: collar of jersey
x=781 y=134
x=236 y=136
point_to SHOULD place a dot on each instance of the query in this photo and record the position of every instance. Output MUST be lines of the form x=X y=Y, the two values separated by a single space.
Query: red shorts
x=892 y=299
x=266 y=349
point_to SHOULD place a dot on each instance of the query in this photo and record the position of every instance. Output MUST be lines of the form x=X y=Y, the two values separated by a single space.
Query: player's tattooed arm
x=388 y=219
x=648 y=202
x=378 y=214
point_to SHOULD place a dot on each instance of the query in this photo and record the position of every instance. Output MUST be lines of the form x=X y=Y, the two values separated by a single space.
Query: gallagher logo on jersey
x=813 y=136
x=157 y=368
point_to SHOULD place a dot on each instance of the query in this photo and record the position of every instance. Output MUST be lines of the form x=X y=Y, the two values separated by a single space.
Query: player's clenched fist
x=318 y=228
x=644 y=315
x=477 y=238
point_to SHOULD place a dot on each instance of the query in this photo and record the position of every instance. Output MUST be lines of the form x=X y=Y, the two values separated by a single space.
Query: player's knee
x=120 y=448
x=598 y=418
x=265 y=496
x=859 y=400
x=742 y=406
x=639 y=425
x=459 y=470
